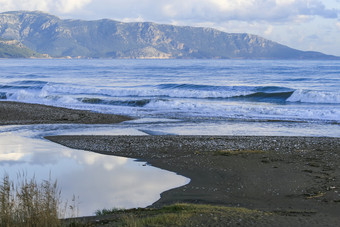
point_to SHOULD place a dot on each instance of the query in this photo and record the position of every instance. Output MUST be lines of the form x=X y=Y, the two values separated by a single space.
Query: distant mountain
x=51 y=35
x=15 y=49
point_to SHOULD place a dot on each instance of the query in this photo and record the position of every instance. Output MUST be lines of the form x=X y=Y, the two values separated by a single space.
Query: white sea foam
x=247 y=110
x=201 y=107
x=24 y=95
x=308 y=96
x=35 y=96
x=151 y=120
x=150 y=91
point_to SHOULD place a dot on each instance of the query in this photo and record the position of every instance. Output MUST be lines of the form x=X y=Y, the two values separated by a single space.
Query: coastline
x=16 y=113
x=295 y=178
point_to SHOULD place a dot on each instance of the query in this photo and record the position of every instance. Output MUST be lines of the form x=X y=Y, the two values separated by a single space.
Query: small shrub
x=107 y=211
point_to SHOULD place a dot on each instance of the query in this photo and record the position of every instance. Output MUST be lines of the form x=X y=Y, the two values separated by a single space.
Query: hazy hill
x=49 y=34
x=15 y=49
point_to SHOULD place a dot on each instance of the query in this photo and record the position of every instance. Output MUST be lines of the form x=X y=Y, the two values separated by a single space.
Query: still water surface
x=98 y=181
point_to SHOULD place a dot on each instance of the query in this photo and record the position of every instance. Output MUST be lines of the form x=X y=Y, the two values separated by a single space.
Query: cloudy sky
x=301 y=24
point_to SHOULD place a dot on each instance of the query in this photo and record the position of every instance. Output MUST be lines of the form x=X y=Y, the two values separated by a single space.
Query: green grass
x=238 y=152
x=173 y=215
x=190 y=214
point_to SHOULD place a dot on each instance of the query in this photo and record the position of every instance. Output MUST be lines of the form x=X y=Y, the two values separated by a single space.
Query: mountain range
x=47 y=34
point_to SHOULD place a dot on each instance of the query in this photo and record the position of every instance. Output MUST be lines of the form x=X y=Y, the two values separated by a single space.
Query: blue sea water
x=206 y=96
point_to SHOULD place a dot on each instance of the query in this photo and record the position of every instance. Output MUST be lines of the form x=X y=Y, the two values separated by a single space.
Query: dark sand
x=297 y=179
x=13 y=113
x=294 y=177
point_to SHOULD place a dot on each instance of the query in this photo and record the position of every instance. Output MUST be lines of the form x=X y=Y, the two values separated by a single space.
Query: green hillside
x=14 y=49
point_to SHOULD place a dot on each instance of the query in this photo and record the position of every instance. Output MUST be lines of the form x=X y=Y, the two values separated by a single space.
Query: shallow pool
x=97 y=181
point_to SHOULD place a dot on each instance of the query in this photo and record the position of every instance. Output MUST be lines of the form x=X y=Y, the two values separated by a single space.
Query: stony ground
x=295 y=178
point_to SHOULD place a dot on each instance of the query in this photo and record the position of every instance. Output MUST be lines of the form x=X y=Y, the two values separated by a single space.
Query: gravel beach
x=297 y=179
x=294 y=177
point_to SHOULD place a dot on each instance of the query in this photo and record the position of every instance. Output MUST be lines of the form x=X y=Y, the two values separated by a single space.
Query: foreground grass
x=28 y=203
x=173 y=215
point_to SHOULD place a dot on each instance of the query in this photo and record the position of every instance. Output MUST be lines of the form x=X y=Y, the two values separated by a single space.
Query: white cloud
x=224 y=5
x=52 y=6
x=338 y=25
x=5 y=4
x=133 y=19
x=219 y=11
x=67 y=6
x=269 y=30
x=189 y=10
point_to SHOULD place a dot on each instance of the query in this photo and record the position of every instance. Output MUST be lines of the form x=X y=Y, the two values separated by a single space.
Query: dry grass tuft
x=27 y=203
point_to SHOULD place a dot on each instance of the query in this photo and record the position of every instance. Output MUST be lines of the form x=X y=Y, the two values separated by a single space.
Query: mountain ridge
x=105 y=38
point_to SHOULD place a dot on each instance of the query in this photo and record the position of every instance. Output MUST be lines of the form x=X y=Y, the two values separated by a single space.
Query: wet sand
x=295 y=178
x=14 y=113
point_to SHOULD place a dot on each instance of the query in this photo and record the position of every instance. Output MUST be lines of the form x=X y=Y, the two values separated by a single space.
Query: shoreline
x=295 y=178
x=17 y=113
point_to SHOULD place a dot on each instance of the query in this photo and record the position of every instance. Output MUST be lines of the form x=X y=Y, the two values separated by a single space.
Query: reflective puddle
x=98 y=181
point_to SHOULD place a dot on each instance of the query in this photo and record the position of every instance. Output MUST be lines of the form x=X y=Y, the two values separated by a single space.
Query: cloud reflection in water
x=100 y=181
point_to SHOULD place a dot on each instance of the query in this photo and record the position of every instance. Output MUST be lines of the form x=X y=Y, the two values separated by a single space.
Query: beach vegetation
x=238 y=152
x=27 y=203
x=106 y=211
x=181 y=214
x=192 y=215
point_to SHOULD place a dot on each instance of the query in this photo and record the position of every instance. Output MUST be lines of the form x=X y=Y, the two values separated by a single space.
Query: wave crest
x=307 y=96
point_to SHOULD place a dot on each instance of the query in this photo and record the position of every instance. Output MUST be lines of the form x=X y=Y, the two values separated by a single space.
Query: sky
x=301 y=24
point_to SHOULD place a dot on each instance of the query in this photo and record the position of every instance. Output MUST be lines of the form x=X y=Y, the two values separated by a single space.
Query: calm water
x=97 y=181
x=183 y=97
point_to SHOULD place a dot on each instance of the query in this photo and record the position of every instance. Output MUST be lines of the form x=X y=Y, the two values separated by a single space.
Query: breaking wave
x=306 y=96
x=143 y=95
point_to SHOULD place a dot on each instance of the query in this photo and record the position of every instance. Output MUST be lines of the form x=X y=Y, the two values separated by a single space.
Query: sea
x=164 y=97
x=208 y=97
